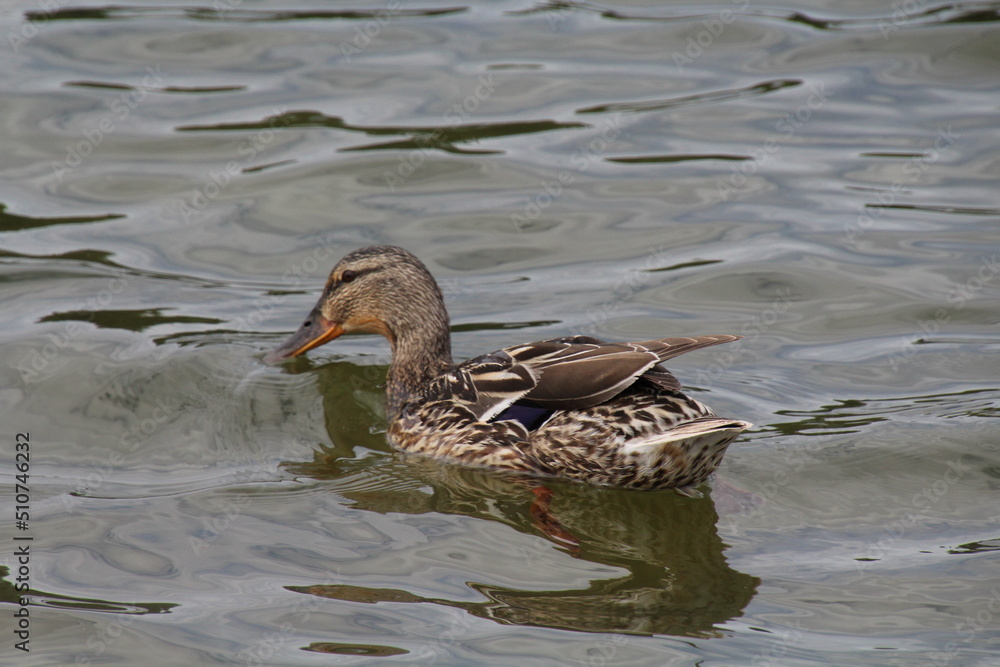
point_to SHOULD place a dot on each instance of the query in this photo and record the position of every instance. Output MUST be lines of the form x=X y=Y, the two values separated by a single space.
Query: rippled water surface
x=819 y=176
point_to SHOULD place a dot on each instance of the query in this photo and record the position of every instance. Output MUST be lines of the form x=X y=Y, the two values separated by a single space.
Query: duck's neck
x=420 y=353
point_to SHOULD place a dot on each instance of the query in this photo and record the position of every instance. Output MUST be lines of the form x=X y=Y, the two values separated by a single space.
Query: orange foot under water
x=548 y=524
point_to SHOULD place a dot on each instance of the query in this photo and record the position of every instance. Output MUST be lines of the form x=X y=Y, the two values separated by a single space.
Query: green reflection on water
x=130 y=320
x=678 y=580
x=11 y=222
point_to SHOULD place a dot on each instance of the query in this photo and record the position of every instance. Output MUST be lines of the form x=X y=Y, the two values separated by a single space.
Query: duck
x=575 y=408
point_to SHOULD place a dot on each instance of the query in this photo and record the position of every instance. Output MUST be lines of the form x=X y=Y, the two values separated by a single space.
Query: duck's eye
x=348 y=275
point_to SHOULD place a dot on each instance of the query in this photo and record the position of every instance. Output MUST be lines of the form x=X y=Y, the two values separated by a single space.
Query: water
x=178 y=178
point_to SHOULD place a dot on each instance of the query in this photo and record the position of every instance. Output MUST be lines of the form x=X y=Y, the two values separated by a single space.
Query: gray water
x=820 y=177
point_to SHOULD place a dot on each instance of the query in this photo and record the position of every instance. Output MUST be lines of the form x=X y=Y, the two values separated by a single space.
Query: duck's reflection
x=678 y=583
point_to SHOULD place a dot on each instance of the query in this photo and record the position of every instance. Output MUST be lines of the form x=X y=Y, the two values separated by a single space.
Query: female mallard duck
x=574 y=407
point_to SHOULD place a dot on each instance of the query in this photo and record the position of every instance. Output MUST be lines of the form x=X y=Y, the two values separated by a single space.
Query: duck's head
x=379 y=289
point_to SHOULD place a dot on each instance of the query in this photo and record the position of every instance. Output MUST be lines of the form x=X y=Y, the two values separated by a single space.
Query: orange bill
x=315 y=331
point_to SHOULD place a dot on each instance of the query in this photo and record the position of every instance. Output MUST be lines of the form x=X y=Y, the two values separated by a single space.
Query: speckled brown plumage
x=609 y=413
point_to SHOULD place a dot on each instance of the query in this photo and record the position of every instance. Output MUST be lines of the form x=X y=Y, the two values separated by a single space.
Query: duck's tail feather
x=710 y=428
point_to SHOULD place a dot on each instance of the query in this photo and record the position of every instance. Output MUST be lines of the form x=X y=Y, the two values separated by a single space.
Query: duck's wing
x=488 y=384
x=566 y=373
x=579 y=371
x=667 y=348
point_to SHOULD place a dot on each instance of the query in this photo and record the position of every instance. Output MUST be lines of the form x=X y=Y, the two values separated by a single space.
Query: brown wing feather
x=668 y=348
x=664 y=379
x=579 y=372
x=489 y=383
x=568 y=373
x=588 y=377
x=661 y=378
